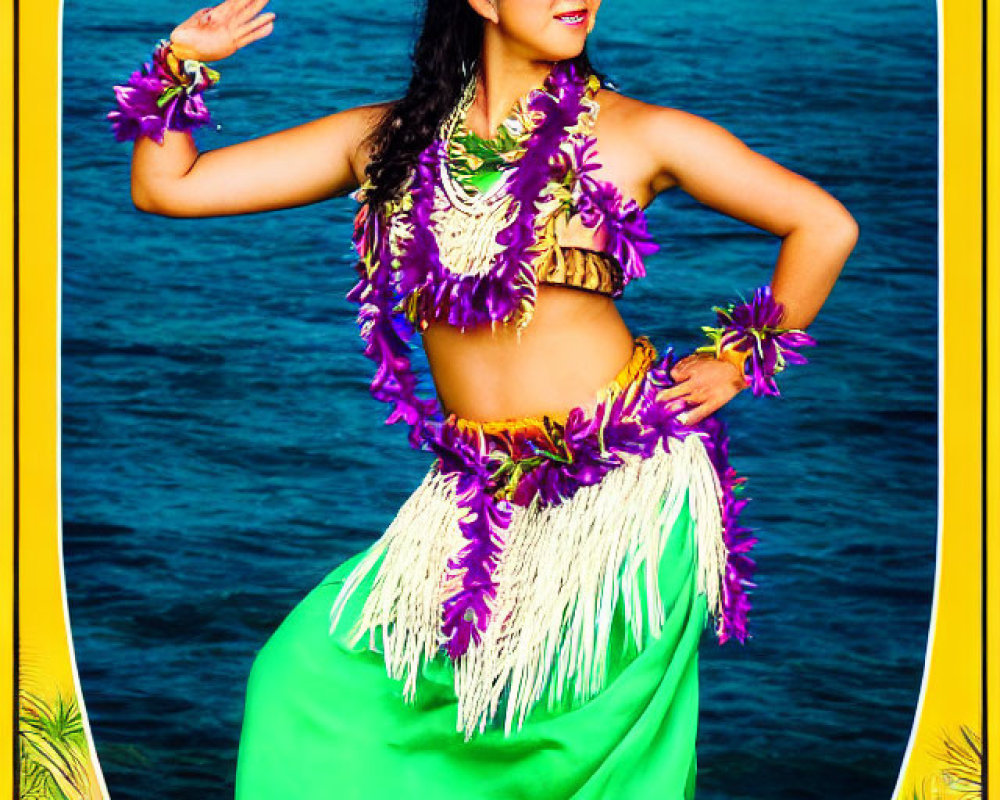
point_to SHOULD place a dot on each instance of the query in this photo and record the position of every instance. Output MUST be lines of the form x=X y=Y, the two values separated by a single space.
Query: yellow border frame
x=991 y=663
x=46 y=665
x=952 y=694
x=953 y=681
x=7 y=690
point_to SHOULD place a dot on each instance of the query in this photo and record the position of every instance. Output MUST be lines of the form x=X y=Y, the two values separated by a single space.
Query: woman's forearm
x=809 y=262
x=303 y=164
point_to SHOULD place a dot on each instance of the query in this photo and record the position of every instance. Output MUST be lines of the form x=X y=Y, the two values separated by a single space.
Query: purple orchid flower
x=163 y=95
x=753 y=326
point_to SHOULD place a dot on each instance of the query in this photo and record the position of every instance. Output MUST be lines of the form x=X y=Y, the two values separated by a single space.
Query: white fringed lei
x=561 y=573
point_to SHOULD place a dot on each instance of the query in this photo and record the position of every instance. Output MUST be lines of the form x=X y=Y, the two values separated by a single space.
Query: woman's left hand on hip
x=704 y=383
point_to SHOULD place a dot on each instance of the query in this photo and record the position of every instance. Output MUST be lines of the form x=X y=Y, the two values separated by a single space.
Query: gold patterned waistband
x=643 y=357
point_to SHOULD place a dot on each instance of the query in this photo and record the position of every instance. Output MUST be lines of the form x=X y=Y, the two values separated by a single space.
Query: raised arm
x=303 y=164
x=293 y=167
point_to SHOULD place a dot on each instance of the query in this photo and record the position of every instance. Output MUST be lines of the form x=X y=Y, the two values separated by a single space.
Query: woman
x=528 y=624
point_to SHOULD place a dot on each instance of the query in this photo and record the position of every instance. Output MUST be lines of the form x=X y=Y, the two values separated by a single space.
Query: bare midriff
x=575 y=344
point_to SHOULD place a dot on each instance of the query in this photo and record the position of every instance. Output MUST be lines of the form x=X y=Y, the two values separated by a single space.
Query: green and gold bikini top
x=479 y=164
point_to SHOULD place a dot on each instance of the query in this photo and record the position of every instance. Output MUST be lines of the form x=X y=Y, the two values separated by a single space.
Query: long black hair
x=445 y=54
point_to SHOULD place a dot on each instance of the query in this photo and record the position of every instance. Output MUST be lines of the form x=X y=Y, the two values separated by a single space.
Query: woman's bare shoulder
x=631 y=135
x=620 y=111
x=370 y=114
x=659 y=140
x=364 y=120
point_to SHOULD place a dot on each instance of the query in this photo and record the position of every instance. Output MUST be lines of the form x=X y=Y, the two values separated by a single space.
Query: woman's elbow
x=850 y=230
x=152 y=202
x=145 y=199
x=142 y=200
x=839 y=227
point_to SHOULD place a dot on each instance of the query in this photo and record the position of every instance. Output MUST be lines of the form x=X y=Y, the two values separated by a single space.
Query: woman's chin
x=571 y=50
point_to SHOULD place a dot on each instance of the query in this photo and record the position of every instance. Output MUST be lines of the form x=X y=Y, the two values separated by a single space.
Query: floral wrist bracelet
x=737 y=358
x=749 y=337
x=164 y=94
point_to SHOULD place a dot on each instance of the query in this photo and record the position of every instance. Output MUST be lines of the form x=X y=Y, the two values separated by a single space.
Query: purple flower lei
x=601 y=203
x=493 y=474
x=164 y=94
x=466 y=300
x=752 y=327
x=388 y=286
x=739 y=540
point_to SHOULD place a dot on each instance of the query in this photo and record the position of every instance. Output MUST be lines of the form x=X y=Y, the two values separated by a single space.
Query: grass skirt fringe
x=562 y=573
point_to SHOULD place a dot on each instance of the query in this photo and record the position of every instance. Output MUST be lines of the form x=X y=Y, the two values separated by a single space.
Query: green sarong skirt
x=324 y=721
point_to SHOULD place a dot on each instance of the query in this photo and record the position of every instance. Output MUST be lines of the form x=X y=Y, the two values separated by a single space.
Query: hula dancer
x=529 y=623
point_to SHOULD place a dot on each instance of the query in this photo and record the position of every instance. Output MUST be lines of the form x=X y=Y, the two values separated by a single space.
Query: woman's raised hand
x=703 y=385
x=213 y=33
x=312 y=161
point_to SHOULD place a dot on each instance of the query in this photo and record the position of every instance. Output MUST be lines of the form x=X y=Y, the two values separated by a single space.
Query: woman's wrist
x=183 y=52
x=749 y=337
x=166 y=94
x=738 y=359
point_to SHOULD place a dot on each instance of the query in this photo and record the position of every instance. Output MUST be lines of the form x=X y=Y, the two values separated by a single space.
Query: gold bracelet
x=735 y=357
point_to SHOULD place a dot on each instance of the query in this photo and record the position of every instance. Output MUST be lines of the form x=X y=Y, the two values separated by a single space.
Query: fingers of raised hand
x=248 y=9
x=255 y=29
x=215 y=32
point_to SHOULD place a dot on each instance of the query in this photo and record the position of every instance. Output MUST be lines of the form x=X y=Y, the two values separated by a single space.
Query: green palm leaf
x=53 y=751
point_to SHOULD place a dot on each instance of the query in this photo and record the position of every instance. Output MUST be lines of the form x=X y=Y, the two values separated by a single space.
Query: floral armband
x=161 y=95
x=750 y=338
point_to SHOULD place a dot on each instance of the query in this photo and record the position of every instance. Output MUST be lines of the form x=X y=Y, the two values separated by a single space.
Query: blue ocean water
x=220 y=448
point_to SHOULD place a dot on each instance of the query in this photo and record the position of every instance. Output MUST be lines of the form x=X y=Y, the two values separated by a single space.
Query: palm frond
x=960 y=776
x=52 y=747
x=962 y=757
